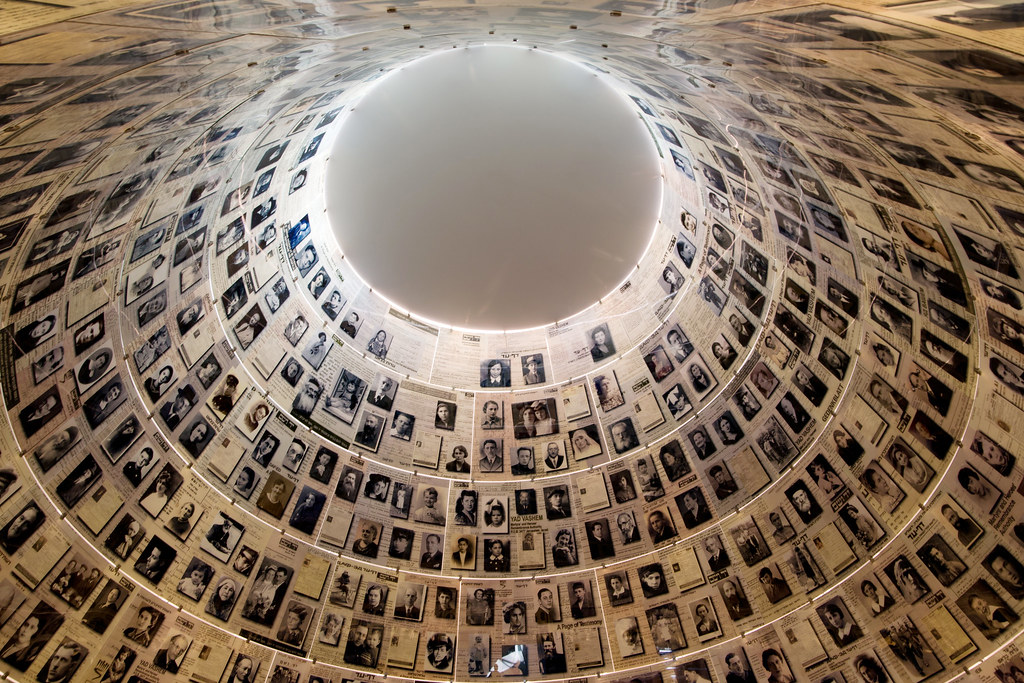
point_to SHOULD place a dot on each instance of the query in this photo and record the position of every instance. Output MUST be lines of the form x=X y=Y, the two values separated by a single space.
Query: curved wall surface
x=783 y=449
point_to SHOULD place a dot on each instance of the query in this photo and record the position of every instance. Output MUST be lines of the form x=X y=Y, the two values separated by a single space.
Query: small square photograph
x=622 y=486
x=986 y=610
x=535 y=418
x=15 y=598
x=155 y=560
x=64 y=661
x=295 y=455
x=700 y=377
x=513 y=616
x=750 y=542
x=97 y=408
x=333 y=304
x=599 y=340
x=533 y=369
x=735 y=598
x=493 y=415
x=479 y=658
x=275 y=495
x=666 y=629
x=912 y=468
x=677 y=402
x=586 y=442
x=480 y=607
x=514 y=661
x=222 y=537
x=554 y=456
x=444 y=415
x=581 y=599
x=673 y=460
x=463 y=552
x=809 y=384
x=861 y=523
x=254 y=416
x=445 y=601
x=78 y=482
x=195 y=580
x=363 y=645
x=466 y=508
x=382 y=395
x=371 y=429
x=75 y=583
x=723 y=352
x=367 y=536
x=693 y=507
x=196 y=436
x=323 y=465
x=722 y=480
x=440 y=653
x=377 y=487
x=609 y=396
x=316 y=350
x=344 y=587
x=409 y=601
x=330 y=629
x=161 y=490
x=782 y=531
x=705 y=620
x=565 y=552
x=250 y=326
x=627 y=635
x=309 y=505
x=774 y=585
x=599 y=539
x=648 y=478
x=1007 y=570
x=402 y=425
x=909 y=646
x=806 y=506
x=701 y=442
x=344 y=399
x=53 y=449
x=728 y=429
x=618 y=589
x=526 y=502
x=710 y=292
x=839 y=622
x=763 y=379
x=622 y=435
x=246 y=482
x=907 y=580
x=495 y=373
x=401 y=499
x=495 y=515
x=881 y=487
x=379 y=345
x=557 y=505
x=294 y=626
x=941 y=560
x=93 y=367
x=929 y=434
x=658 y=363
x=776 y=444
x=679 y=347
x=652 y=580
x=318 y=283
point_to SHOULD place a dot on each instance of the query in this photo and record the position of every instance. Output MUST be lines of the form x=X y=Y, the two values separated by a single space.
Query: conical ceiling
x=784 y=448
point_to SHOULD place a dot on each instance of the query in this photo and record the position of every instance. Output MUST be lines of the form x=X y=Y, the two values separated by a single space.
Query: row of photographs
x=624 y=631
